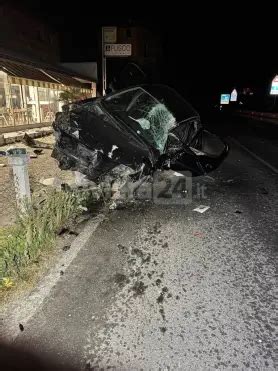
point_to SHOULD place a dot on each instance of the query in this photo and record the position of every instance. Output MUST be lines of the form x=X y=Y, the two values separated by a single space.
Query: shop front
x=26 y=101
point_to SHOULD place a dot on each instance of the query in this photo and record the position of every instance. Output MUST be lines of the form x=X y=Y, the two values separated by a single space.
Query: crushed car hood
x=144 y=128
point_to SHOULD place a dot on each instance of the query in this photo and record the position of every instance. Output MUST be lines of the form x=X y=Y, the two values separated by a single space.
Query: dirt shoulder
x=42 y=167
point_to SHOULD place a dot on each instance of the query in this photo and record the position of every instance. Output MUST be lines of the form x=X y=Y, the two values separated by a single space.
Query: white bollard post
x=18 y=159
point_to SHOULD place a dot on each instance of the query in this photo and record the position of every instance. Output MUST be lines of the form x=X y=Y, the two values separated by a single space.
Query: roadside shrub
x=35 y=230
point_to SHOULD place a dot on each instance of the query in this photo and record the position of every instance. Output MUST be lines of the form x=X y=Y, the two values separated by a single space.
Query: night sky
x=205 y=50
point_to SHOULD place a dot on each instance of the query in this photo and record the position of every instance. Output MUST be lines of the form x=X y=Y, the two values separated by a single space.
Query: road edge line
x=23 y=310
x=236 y=142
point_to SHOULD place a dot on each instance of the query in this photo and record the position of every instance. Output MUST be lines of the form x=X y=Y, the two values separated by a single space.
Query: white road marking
x=23 y=310
x=271 y=167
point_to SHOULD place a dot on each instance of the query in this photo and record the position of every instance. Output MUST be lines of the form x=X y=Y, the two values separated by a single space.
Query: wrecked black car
x=143 y=128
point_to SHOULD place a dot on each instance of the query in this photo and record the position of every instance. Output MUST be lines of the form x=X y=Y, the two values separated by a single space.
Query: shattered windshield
x=153 y=119
x=175 y=103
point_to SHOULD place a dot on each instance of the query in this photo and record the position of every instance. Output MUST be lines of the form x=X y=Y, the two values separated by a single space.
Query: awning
x=22 y=70
x=66 y=79
x=16 y=69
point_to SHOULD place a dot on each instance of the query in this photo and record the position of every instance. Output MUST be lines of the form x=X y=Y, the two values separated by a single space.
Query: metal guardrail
x=261 y=116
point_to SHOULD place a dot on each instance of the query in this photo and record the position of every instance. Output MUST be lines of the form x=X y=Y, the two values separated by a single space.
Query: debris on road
x=41 y=167
x=74 y=233
x=113 y=206
x=67 y=231
x=178 y=174
x=63 y=231
x=82 y=181
x=53 y=182
x=38 y=151
x=238 y=212
x=201 y=209
x=263 y=191
x=30 y=142
x=198 y=234
x=83 y=208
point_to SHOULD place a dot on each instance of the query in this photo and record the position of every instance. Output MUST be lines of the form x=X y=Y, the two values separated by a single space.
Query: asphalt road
x=165 y=287
x=257 y=136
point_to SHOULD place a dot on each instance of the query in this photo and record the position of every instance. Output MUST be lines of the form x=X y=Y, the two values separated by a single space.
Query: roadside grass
x=34 y=233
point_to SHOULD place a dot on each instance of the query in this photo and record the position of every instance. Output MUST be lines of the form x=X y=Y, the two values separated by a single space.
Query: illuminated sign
x=274 y=86
x=225 y=99
x=117 y=50
x=234 y=96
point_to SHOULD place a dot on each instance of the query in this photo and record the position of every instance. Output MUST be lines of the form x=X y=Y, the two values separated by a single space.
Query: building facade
x=33 y=86
x=26 y=35
x=32 y=94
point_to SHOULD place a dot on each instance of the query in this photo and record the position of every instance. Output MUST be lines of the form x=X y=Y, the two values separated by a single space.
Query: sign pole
x=110 y=48
x=103 y=58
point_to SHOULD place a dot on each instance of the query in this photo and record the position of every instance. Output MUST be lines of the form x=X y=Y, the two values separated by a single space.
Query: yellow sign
x=109 y=35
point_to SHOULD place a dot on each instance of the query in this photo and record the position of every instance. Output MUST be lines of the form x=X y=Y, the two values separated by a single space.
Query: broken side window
x=120 y=101
x=175 y=103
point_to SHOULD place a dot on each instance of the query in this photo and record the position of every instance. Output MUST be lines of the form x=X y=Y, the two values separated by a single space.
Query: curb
x=8 y=138
x=22 y=311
